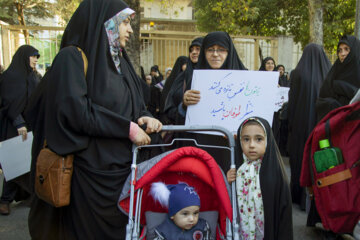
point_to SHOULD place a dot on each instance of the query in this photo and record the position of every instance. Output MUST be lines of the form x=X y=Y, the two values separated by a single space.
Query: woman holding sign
x=17 y=83
x=217 y=52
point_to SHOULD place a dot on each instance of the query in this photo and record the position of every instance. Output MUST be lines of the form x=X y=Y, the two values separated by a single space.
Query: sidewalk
x=14 y=226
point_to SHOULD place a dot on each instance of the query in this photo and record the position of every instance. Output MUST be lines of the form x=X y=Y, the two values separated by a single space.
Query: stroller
x=191 y=165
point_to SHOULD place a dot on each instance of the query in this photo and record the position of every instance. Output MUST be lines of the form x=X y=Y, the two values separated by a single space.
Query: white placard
x=230 y=96
x=15 y=156
x=282 y=96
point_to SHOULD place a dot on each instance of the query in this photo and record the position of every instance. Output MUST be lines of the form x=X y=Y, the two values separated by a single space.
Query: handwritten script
x=230 y=96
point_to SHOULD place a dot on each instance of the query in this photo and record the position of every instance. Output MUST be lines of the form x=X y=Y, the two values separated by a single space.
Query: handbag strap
x=84 y=60
x=85 y=72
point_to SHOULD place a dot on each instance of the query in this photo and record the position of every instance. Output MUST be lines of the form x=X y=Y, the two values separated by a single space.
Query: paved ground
x=14 y=226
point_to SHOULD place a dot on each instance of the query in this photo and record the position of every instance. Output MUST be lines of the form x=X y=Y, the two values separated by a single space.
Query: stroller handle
x=201 y=128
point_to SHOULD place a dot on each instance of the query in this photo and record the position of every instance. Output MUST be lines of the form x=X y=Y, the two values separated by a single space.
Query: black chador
x=306 y=80
x=89 y=117
x=274 y=188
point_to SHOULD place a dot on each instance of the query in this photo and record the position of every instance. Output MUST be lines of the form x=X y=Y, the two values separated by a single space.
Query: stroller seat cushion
x=154 y=219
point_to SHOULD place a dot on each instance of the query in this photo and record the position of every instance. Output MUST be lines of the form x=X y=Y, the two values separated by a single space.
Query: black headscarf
x=343 y=80
x=306 y=80
x=263 y=64
x=274 y=187
x=16 y=85
x=222 y=39
x=283 y=81
x=86 y=30
x=176 y=70
x=155 y=79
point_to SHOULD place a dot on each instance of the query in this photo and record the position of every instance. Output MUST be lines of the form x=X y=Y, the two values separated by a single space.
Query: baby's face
x=253 y=141
x=187 y=217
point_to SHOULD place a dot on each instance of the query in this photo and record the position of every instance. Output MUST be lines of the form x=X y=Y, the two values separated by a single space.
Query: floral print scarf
x=113 y=34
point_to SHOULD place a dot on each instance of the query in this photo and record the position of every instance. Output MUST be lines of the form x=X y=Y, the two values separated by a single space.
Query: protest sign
x=282 y=96
x=230 y=96
x=15 y=156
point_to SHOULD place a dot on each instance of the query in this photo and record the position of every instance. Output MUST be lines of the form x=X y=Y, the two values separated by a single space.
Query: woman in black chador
x=178 y=68
x=217 y=52
x=176 y=92
x=343 y=80
x=16 y=85
x=96 y=118
x=306 y=80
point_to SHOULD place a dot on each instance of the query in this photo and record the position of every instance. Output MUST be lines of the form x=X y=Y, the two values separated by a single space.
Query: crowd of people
x=99 y=114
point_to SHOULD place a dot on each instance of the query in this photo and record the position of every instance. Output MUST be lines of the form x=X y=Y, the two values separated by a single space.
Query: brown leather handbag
x=53 y=177
x=54 y=172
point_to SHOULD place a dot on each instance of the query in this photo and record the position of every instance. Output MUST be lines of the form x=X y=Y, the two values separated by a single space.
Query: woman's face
x=270 y=65
x=168 y=74
x=33 y=61
x=343 y=51
x=183 y=67
x=281 y=70
x=194 y=54
x=125 y=30
x=216 y=56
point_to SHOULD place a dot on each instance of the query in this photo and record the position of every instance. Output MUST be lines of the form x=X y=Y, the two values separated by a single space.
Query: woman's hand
x=231 y=175
x=152 y=124
x=191 y=97
x=141 y=138
x=23 y=132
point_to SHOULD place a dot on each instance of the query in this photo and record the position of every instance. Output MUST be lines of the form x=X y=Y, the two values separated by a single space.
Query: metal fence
x=157 y=47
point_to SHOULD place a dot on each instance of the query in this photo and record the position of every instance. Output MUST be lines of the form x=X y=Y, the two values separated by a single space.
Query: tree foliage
x=274 y=17
x=36 y=9
x=66 y=8
x=23 y=12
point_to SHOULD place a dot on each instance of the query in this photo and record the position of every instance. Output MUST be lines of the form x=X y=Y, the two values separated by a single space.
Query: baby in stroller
x=183 y=204
x=188 y=164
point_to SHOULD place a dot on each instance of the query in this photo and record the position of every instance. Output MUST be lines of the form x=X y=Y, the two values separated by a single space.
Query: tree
x=272 y=17
x=357 y=20
x=316 y=21
x=23 y=11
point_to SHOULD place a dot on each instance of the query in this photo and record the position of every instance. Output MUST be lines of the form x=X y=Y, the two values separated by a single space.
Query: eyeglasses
x=219 y=50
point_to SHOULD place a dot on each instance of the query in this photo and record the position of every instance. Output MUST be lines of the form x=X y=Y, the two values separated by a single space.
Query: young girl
x=183 y=220
x=263 y=193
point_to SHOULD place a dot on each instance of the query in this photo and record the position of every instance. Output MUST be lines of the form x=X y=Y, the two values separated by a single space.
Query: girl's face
x=253 y=141
x=270 y=65
x=216 y=56
x=187 y=217
x=343 y=51
x=33 y=61
x=125 y=30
